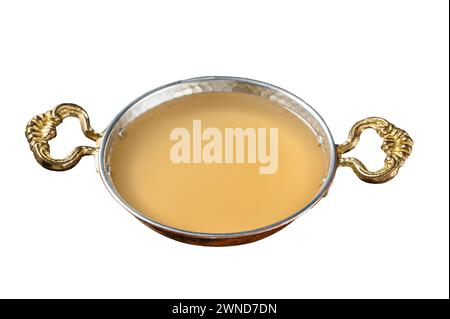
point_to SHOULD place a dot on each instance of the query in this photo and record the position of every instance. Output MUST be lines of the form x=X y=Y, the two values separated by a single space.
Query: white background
x=62 y=234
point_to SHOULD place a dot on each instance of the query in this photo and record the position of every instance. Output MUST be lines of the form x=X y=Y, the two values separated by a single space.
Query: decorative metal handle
x=42 y=128
x=396 y=144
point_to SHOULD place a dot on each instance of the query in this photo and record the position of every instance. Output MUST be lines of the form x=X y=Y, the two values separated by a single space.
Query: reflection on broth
x=217 y=196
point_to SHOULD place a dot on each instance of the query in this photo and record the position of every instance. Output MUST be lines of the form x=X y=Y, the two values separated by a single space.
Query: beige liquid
x=216 y=198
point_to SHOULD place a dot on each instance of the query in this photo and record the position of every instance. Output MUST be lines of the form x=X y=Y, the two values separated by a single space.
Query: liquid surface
x=216 y=197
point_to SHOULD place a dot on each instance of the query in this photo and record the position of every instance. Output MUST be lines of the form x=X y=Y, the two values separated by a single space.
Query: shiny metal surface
x=216 y=84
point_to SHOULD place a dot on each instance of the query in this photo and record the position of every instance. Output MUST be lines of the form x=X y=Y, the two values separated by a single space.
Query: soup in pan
x=216 y=160
x=221 y=162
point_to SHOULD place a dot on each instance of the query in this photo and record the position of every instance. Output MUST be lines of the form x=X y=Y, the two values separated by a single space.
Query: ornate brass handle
x=42 y=128
x=396 y=144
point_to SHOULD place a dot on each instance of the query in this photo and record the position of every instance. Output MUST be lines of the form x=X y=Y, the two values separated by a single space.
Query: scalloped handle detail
x=42 y=128
x=396 y=144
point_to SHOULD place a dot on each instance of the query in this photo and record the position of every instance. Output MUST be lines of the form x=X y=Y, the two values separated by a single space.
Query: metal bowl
x=397 y=146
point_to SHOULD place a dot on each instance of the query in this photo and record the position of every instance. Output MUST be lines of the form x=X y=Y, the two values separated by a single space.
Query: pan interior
x=168 y=157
